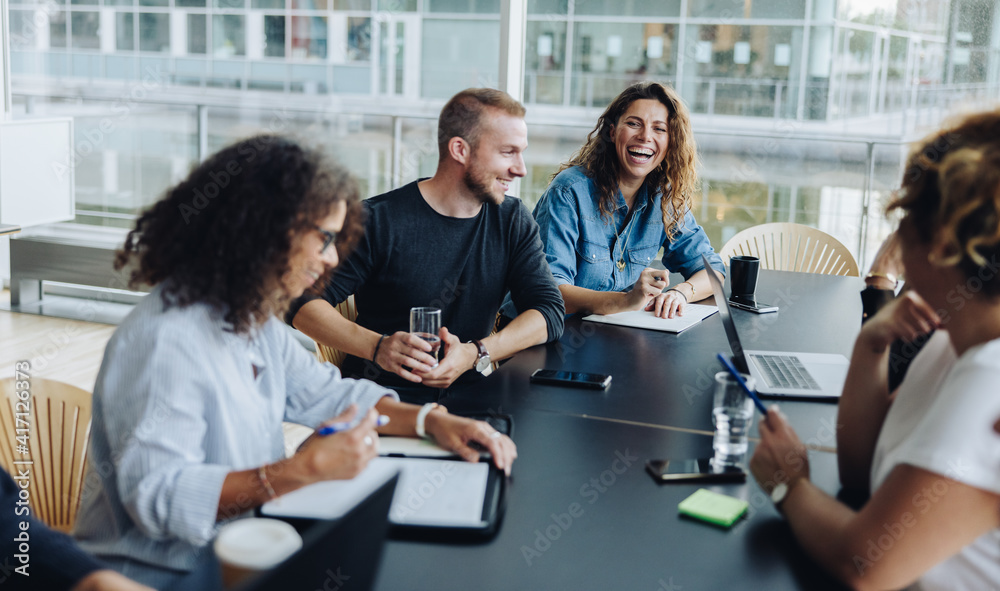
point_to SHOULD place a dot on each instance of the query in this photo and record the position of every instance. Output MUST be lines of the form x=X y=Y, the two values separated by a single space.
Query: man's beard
x=480 y=189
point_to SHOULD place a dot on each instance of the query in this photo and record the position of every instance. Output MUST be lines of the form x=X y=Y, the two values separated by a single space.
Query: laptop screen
x=739 y=359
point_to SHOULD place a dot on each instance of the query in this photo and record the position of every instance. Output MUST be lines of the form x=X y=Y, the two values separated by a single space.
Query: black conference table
x=581 y=511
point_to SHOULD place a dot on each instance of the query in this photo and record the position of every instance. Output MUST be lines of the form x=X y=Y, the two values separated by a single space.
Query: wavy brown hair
x=951 y=192
x=224 y=234
x=676 y=178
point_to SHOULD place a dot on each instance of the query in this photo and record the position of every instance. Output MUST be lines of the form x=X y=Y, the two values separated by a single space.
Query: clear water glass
x=426 y=324
x=732 y=414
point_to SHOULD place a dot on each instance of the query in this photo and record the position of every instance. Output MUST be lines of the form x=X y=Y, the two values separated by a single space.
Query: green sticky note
x=712 y=507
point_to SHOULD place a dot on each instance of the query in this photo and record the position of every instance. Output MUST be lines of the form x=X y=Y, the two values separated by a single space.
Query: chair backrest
x=335 y=356
x=55 y=418
x=792 y=247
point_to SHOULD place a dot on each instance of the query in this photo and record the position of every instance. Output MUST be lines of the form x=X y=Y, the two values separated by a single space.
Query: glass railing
x=125 y=158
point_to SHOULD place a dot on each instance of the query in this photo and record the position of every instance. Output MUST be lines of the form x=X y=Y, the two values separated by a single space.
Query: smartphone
x=693 y=470
x=751 y=305
x=555 y=377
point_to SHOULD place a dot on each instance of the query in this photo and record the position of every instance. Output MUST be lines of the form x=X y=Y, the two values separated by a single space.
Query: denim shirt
x=578 y=240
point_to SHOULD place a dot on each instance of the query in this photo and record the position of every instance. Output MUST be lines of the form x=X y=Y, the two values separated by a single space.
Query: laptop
x=342 y=554
x=781 y=373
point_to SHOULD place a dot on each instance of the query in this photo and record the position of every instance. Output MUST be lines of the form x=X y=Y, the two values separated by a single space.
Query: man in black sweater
x=454 y=241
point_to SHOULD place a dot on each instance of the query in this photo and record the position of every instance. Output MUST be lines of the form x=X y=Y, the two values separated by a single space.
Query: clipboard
x=438 y=497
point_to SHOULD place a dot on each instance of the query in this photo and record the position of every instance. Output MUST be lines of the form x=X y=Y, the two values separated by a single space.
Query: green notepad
x=713 y=507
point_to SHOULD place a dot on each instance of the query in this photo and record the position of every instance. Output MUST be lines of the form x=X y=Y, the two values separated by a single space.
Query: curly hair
x=224 y=234
x=676 y=178
x=951 y=191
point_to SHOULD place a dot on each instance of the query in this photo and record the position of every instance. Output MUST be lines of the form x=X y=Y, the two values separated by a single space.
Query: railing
x=386 y=151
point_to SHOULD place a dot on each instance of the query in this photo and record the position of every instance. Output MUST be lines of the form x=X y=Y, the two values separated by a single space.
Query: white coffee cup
x=247 y=547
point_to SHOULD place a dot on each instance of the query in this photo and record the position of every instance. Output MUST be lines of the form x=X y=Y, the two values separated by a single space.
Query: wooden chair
x=336 y=356
x=792 y=247
x=58 y=429
x=350 y=311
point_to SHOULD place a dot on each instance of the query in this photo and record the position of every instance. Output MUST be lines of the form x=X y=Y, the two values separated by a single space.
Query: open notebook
x=693 y=314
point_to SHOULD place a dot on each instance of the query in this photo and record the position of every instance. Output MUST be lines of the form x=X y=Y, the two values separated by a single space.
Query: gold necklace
x=621 y=262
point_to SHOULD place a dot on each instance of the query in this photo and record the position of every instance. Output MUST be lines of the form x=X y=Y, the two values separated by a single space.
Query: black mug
x=743 y=276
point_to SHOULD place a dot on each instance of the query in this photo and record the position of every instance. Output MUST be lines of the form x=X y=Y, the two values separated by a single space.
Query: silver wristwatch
x=484 y=364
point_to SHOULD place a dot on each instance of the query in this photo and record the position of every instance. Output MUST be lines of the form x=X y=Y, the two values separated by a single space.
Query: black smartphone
x=555 y=377
x=693 y=470
x=751 y=305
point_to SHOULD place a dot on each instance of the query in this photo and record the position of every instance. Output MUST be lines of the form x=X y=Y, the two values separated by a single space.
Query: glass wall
x=767 y=82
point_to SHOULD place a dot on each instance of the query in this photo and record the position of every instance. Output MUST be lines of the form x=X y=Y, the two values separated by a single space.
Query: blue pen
x=332 y=428
x=739 y=380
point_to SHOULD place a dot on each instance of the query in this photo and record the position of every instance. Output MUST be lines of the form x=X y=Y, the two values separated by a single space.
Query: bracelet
x=422 y=418
x=694 y=291
x=680 y=292
x=262 y=476
x=887 y=276
x=377 y=347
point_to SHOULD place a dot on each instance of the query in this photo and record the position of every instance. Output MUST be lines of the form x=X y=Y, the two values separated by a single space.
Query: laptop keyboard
x=782 y=371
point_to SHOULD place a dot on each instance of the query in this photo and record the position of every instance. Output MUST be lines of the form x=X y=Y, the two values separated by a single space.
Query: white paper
x=412 y=447
x=429 y=492
x=693 y=314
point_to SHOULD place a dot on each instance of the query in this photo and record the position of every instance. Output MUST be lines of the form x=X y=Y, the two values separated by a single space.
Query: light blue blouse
x=578 y=240
x=176 y=408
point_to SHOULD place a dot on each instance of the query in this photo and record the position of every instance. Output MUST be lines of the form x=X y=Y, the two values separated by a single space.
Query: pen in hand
x=332 y=428
x=739 y=379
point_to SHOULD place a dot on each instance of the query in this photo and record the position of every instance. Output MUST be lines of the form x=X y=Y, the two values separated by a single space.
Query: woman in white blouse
x=926 y=452
x=195 y=383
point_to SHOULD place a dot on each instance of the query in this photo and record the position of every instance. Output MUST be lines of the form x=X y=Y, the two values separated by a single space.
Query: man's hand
x=458 y=358
x=455 y=433
x=650 y=284
x=406 y=355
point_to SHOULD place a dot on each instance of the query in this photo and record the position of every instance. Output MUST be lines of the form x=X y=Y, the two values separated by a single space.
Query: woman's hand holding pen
x=646 y=289
x=342 y=454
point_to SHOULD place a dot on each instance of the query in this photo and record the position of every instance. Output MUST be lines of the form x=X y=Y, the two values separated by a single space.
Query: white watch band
x=422 y=418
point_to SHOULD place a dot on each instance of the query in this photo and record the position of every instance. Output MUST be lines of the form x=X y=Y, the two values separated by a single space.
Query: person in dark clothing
x=880 y=289
x=454 y=241
x=36 y=557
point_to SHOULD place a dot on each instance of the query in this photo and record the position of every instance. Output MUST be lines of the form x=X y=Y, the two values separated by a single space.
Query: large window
x=768 y=85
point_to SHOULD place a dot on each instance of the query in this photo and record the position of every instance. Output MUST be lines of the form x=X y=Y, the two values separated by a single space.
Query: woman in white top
x=926 y=452
x=195 y=383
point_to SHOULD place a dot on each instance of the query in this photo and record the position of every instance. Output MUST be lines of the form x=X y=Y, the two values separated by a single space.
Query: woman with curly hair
x=625 y=194
x=925 y=451
x=195 y=383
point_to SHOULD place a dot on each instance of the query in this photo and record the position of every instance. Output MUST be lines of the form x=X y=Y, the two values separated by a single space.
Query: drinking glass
x=426 y=324
x=732 y=413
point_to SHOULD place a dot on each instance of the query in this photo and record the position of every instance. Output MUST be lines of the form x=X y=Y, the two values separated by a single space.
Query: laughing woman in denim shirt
x=626 y=193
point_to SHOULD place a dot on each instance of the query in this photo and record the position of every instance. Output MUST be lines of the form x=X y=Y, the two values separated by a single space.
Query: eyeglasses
x=328 y=238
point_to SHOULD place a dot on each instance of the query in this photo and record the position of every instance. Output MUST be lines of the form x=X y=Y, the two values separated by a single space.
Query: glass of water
x=732 y=413
x=426 y=324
